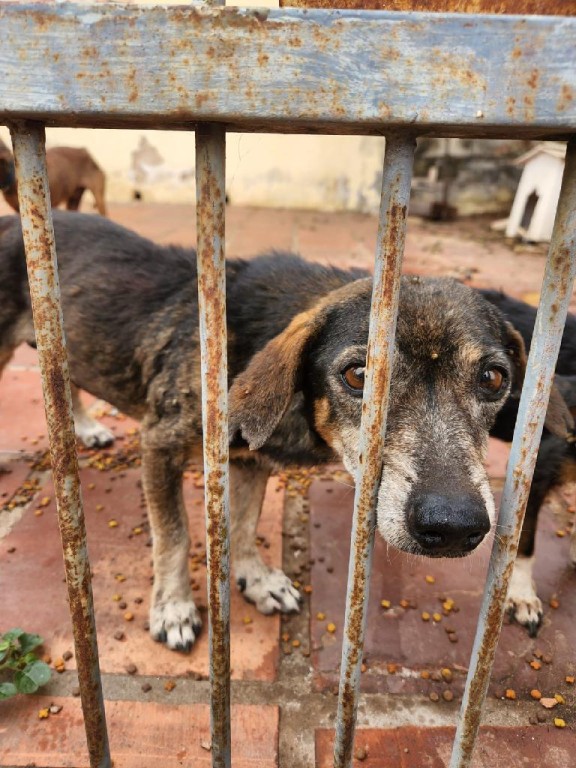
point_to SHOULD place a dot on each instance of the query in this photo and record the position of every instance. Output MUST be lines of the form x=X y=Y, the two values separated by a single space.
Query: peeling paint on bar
x=288 y=70
x=28 y=141
x=555 y=299
x=396 y=179
x=211 y=206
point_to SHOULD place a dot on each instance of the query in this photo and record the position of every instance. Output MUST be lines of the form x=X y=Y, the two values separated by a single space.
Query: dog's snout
x=444 y=525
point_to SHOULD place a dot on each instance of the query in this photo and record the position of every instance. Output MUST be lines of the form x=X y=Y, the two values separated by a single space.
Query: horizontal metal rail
x=288 y=70
x=34 y=200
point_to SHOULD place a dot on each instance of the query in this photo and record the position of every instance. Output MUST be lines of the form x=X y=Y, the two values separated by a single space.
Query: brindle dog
x=297 y=350
x=71 y=171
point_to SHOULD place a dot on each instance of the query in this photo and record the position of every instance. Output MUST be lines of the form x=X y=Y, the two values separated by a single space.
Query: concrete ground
x=285 y=670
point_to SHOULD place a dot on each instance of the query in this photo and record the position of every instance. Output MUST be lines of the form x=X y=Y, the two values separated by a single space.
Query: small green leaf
x=13 y=634
x=32 y=677
x=7 y=690
x=28 y=642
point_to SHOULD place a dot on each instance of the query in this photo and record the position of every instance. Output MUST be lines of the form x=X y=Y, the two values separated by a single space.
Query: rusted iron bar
x=288 y=70
x=211 y=203
x=395 y=196
x=554 y=302
x=513 y=7
x=34 y=198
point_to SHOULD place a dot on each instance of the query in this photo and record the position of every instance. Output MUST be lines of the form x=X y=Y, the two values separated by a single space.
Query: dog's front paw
x=523 y=604
x=269 y=589
x=175 y=623
x=93 y=434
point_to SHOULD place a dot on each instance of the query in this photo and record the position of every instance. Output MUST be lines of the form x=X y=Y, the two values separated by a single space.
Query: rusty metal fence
x=214 y=70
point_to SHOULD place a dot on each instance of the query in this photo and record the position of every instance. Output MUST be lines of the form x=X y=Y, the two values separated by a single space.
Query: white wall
x=322 y=172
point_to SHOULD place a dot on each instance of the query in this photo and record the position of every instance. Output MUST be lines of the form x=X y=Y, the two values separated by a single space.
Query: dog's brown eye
x=492 y=381
x=353 y=377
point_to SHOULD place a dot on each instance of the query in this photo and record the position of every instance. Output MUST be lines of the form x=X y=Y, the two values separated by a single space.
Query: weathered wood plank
x=288 y=70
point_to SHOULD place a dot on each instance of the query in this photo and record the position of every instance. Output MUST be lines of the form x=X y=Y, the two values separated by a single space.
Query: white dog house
x=534 y=207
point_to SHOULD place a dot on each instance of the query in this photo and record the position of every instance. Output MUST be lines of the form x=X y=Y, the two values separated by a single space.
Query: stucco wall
x=325 y=172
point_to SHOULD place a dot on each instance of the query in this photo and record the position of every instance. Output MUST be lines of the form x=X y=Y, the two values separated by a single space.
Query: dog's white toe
x=176 y=623
x=93 y=434
x=269 y=589
x=522 y=603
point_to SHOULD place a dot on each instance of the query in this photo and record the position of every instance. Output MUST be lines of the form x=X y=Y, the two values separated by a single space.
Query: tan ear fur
x=260 y=395
x=559 y=421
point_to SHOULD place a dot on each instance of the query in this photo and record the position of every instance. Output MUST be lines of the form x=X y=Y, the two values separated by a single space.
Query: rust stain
x=565 y=99
x=520 y=7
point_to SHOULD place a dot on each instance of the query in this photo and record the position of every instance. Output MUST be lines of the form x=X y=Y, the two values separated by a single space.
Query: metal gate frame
x=214 y=70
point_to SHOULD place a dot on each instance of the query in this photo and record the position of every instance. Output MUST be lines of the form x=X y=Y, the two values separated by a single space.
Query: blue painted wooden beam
x=288 y=70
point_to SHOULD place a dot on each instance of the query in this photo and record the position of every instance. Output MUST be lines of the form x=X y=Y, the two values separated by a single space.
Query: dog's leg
x=88 y=430
x=97 y=189
x=523 y=603
x=174 y=619
x=73 y=202
x=268 y=588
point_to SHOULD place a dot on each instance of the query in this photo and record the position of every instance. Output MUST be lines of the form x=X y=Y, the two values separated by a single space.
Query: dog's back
x=131 y=309
x=71 y=170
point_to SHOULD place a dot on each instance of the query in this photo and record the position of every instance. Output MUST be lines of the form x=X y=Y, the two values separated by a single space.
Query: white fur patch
x=268 y=588
x=91 y=432
x=176 y=623
x=88 y=430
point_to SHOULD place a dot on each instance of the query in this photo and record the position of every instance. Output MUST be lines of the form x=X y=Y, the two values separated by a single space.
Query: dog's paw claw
x=527 y=612
x=270 y=590
x=94 y=435
x=177 y=624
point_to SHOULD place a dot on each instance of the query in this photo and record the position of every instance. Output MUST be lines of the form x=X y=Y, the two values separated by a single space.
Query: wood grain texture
x=288 y=70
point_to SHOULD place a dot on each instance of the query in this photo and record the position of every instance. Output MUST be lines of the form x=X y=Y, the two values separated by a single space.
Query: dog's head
x=456 y=361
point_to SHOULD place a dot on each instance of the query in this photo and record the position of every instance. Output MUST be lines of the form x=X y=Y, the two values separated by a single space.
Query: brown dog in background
x=71 y=171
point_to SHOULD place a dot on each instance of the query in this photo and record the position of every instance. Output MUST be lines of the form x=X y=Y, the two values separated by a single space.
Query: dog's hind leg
x=97 y=188
x=174 y=619
x=73 y=202
x=88 y=430
x=268 y=588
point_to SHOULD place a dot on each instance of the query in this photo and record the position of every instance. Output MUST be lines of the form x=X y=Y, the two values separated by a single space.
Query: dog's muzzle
x=447 y=526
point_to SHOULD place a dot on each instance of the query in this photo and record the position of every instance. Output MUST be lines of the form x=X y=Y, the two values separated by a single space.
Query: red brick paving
x=431 y=748
x=141 y=734
x=398 y=636
x=122 y=569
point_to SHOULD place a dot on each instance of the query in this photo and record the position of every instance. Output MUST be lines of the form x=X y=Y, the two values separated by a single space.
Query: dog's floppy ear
x=559 y=420
x=260 y=395
x=516 y=351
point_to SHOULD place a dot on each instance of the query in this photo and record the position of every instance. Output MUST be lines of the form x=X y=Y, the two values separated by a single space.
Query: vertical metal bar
x=394 y=201
x=554 y=302
x=28 y=141
x=211 y=197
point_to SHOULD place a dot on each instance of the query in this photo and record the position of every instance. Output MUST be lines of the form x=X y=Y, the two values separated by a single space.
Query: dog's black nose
x=447 y=524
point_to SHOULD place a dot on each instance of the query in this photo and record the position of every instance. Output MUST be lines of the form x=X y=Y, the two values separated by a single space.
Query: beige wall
x=321 y=172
